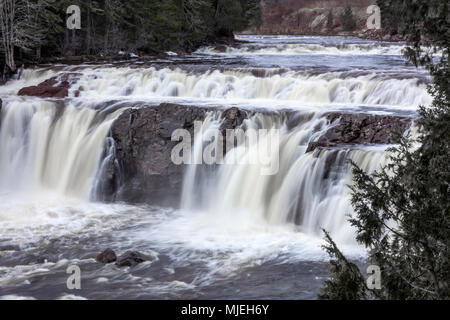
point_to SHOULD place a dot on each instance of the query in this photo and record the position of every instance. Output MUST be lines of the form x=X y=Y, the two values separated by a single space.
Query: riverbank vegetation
x=32 y=30
x=403 y=210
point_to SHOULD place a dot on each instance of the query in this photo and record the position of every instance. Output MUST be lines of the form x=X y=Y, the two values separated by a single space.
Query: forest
x=32 y=30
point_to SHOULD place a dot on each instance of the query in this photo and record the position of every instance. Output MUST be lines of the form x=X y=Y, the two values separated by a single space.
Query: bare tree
x=19 y=28
x=113 y=13
x=7 y=15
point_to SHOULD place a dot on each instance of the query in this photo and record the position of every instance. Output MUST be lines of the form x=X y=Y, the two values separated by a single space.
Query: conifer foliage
x=37 y=28
x=403 y=210
x=348 y=20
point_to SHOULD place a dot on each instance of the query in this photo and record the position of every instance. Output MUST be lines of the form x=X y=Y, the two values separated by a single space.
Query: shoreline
x=375 y=36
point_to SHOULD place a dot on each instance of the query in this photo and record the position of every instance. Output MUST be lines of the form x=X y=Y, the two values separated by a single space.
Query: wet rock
x=107 y=256
x=46 y=259
x=44 y=92
x=142 y=170
x=232 y=118
x=144 y=148
x=360 y=129
x=132 y=258
x=55 y=87
x=143 y=153
x=221 y=48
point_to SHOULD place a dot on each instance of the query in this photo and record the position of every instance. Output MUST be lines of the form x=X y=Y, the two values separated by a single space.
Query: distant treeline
x=32 y=29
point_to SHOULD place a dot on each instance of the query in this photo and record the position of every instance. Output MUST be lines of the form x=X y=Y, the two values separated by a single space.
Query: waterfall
x=47 y=145
x=353 y=49
x=350 y=88
x=309 y=190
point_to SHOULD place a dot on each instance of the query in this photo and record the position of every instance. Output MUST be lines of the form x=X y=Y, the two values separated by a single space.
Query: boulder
x=132 y=258
x=55 y=87
x=107 y=256
x=46 y=259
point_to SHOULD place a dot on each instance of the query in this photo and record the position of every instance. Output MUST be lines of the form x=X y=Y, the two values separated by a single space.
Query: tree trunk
x=89 y=31
x=7 y=17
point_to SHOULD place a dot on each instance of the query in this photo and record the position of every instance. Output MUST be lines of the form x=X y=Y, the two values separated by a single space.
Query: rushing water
x=238 y=234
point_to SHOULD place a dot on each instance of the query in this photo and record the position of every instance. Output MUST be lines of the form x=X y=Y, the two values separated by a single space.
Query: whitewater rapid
x=373 y=89
x=234 y=223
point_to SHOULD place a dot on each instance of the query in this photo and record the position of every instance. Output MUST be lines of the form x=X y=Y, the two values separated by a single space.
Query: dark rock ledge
x=358 y=129
x=142 y=171
x=146 y=173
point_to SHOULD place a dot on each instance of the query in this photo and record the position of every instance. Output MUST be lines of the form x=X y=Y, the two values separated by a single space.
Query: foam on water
x=244 y=87
x=308 y=49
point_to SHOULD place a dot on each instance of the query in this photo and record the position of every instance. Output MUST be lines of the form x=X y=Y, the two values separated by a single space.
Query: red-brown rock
x=44 y=92
x=55 y=87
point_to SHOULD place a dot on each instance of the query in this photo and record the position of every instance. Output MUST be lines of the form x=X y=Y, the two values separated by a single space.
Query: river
x=236 y=234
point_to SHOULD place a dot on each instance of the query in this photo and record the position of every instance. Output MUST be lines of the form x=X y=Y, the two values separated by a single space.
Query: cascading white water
x=48 y=146
x=309 y=48
x=326 y=88
x=309 y=189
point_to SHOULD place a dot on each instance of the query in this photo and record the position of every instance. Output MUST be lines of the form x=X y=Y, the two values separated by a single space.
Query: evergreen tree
x=348 y=21
x=113 y=15
x=228 y=17
x=330 y=22
x=403 y=210
x=37 y=28
x=252 y=14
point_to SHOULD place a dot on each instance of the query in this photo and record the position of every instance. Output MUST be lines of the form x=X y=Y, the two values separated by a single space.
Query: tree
x=252 y=13
x=113 y=20
x=38 y=27
x=330 y=22
x=348 y=21
x=228 y=15
x=19 y=28
x=346 y=282
x=49 y=23
x=7 y=18
x=403 y=210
